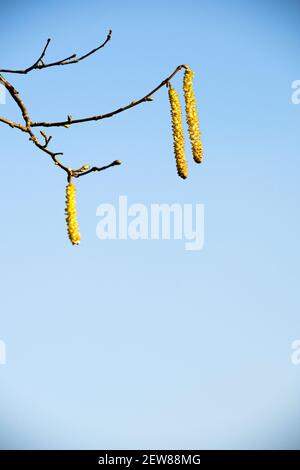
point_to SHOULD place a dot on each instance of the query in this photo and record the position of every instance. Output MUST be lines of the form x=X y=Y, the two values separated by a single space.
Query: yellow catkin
x=178 y=136
x=71 y=217
x=192 y=115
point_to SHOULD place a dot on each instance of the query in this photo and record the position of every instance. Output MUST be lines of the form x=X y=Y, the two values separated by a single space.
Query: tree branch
x=112 y=113
x=29 y=124
x=73 y=59
x=15 y=96
x=12 y=124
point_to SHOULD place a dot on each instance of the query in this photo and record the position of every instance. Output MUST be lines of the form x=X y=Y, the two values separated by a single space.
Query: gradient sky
x=141 y=344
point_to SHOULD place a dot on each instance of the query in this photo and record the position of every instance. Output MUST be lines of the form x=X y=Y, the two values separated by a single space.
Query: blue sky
x=141 y=344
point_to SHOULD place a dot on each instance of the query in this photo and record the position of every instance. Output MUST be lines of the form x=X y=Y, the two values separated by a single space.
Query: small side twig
x=47 y=139
x=95 y=168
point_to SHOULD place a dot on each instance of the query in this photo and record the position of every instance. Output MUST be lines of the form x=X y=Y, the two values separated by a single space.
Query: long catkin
x=178 y=135
x=192 y=116
x=71 y=216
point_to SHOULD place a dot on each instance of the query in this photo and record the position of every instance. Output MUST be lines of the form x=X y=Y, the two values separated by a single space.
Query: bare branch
x=29 y=124
x=112 y=113
x=72 y=59
x=95 y=168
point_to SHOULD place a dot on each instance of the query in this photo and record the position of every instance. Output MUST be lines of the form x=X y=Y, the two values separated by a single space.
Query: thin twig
x=47 y=139
x=95 y=168
x=40 y=59
x=72 y=59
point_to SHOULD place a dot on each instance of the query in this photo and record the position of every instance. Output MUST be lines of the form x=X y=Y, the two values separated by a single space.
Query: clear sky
x=141 y=344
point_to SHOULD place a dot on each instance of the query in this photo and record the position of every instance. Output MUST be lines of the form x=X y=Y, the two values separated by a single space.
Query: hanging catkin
x=71 y=217
x=178 y=136
x=192 y=115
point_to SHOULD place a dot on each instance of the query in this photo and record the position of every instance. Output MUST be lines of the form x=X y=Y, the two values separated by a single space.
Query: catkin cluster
x=71 y=217
x=178 y=142
x=192 y=122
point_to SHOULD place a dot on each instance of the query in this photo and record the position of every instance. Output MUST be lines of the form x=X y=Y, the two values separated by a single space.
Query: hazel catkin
x=192 y=116
x=71 y=216
x=178 y=135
